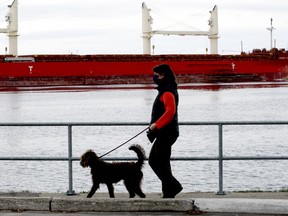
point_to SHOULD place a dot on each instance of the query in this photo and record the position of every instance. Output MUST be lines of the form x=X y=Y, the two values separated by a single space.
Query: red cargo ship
x=69 y=70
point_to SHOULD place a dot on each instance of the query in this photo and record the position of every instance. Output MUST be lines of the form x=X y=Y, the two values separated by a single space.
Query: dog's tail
x=140 y=153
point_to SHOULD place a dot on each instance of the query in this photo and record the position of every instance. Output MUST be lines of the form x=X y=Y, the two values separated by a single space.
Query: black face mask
x=156 y=80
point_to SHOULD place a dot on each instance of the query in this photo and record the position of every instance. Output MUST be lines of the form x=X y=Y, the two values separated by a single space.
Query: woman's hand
x=153 y=127
x=151 y=133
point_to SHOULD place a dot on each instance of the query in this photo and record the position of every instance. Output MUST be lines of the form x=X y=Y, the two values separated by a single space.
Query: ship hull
x=65 y=70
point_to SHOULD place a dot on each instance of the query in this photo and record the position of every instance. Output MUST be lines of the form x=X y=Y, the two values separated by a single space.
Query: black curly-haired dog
x=109 y=173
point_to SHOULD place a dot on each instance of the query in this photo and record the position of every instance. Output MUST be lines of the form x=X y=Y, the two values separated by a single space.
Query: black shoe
x=174 y=192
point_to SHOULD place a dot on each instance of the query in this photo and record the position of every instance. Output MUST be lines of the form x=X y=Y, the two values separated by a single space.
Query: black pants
x=159 y=160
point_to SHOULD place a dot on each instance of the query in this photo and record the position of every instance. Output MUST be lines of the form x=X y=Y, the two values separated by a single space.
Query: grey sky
x=114 y=27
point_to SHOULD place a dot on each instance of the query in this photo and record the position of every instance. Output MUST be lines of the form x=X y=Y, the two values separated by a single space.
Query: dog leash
x=124 y=142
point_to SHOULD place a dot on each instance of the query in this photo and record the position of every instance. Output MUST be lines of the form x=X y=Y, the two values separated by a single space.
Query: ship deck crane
x=148 y=32
x=12 y=28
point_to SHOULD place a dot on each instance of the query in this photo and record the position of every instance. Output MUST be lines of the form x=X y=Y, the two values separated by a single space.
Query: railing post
x=70 y=162
x=220 y=137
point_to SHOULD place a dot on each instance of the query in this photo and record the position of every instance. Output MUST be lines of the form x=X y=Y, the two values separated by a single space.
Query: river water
x=202 y=103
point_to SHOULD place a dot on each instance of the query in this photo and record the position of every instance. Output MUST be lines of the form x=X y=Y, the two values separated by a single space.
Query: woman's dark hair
x=169 y=76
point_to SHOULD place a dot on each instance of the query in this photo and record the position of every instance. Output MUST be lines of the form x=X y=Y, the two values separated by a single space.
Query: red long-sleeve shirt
x=170 y=109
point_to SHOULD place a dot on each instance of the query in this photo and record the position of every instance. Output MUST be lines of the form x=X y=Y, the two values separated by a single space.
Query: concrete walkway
x=249 y=203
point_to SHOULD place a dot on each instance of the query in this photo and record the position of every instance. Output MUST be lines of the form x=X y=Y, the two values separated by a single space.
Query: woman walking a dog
x=164 y=129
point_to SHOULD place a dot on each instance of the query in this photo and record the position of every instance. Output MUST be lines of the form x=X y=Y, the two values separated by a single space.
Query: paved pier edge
x=72 y=204
x=184 y=204
x=121 y=205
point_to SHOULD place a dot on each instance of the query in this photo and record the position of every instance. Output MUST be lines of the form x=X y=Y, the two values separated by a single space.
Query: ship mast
x=271 y=29
x=12 y=28
x=148 y=32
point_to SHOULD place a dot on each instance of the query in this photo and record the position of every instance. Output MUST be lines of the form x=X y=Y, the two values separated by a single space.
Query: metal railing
x=220 y=158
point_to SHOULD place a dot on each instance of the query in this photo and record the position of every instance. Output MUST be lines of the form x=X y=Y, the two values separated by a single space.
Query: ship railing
x=19 y=59
x=220 y=157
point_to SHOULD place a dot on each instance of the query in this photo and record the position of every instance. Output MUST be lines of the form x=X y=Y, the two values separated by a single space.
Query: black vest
x=158 y=110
